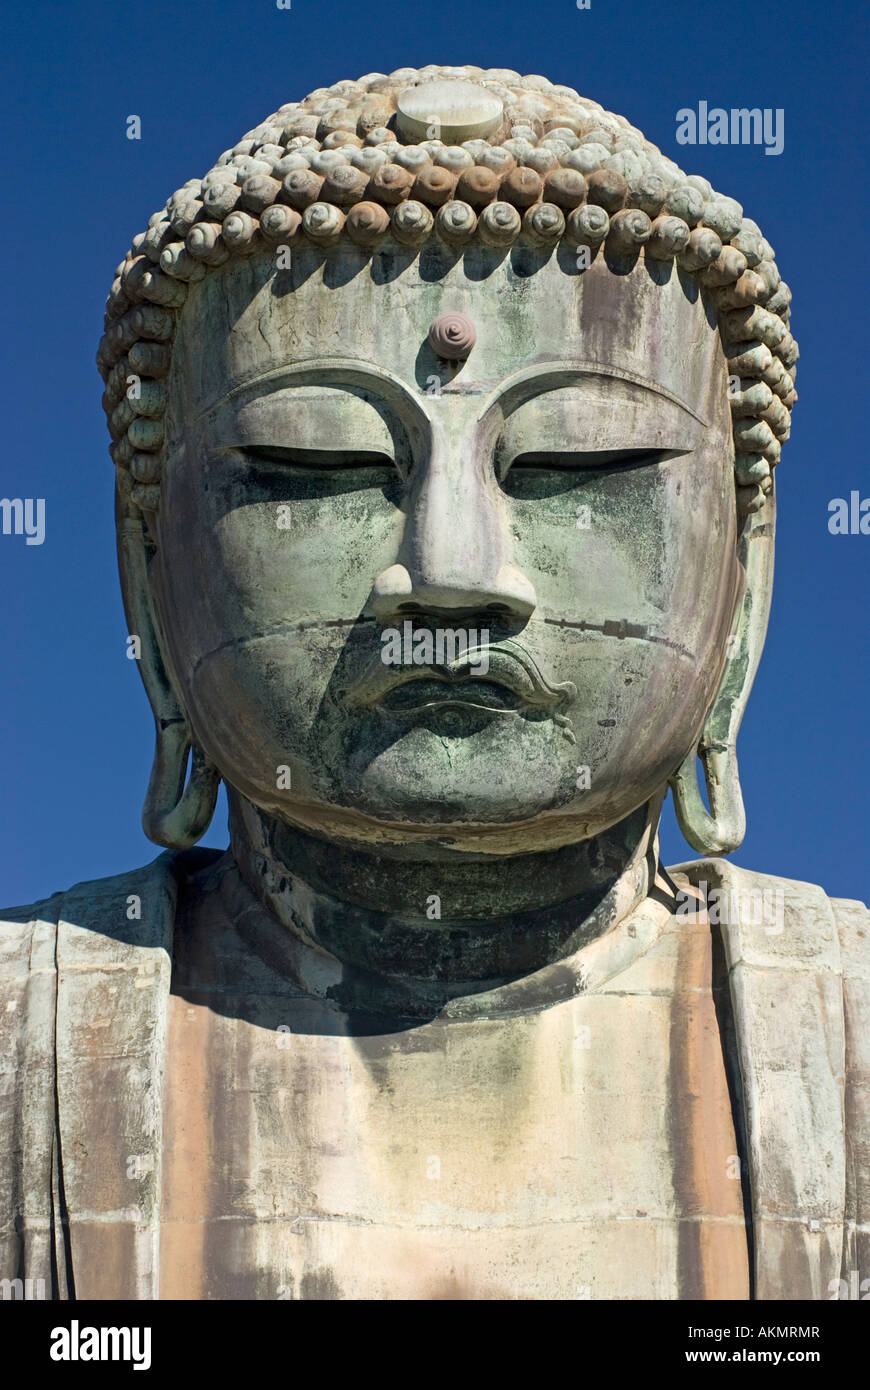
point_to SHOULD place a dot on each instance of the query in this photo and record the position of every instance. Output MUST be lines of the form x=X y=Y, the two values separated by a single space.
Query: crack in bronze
x=620 y=628
x=277 y=628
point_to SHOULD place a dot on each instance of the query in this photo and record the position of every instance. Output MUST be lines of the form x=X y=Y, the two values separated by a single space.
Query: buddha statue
x=445 y=412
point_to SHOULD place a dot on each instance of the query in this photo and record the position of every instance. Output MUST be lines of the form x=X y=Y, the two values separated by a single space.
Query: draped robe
x=107 y=1138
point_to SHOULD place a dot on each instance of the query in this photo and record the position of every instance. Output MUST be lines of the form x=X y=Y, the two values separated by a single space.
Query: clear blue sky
x=77 y=729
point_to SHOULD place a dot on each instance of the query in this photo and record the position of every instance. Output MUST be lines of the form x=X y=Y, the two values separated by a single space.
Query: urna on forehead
x=441 y=165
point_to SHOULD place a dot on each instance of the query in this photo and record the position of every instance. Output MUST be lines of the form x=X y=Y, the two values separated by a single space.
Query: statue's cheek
x=247 y=550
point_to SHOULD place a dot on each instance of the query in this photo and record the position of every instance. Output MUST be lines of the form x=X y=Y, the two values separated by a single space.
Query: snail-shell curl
x=367 y=223
x=456 y=222
x=322 y=223
x=500 y=225
x=544 y=224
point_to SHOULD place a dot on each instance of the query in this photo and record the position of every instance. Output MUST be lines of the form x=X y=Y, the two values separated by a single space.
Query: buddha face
x=479 y=605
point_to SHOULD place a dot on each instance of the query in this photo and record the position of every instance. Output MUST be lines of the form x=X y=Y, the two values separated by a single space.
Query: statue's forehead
x=246 y=320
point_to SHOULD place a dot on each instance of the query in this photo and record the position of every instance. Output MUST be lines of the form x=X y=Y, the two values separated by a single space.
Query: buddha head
x=445 y=411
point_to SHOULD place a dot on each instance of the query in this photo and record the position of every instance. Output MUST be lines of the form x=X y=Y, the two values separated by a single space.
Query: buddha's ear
x=175 y=815
x=722 y=828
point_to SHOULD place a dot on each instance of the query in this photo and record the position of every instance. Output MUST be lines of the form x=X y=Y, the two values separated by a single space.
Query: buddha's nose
x=457 y=551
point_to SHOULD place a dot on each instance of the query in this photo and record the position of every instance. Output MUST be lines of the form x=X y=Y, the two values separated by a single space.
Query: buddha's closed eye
x=319 y=473
x=332 y=459
x=598 y=459
x=534 y=474
x=543 y=474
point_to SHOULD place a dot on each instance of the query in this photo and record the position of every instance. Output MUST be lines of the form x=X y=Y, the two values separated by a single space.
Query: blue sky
x=78 y=730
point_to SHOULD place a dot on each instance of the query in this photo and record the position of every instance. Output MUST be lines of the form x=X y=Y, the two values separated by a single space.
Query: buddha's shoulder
x=136 y=907
x=782 y=920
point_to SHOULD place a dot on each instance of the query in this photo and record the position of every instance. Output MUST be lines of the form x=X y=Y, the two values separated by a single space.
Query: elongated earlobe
x=721 y=829
x=177 y=815
x=178 y=809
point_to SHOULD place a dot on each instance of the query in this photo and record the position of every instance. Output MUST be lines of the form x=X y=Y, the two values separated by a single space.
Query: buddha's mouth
x=437 y=692
x=501 y=677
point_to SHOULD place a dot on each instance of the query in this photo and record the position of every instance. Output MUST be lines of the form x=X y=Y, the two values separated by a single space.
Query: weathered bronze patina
x=445 y=412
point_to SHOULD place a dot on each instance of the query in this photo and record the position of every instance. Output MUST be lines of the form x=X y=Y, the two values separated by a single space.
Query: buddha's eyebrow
x=529 y=382
x=330 y=371
x=522 y=385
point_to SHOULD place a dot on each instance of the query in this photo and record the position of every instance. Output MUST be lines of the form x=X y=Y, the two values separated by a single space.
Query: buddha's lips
x=507 y=664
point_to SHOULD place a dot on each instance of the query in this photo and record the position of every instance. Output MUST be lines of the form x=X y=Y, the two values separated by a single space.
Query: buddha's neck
x=451 y=926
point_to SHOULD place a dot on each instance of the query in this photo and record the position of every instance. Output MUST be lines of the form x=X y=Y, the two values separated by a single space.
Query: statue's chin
x=502 y=787
x=503 y=771
x=438 y=840
x=404 y=823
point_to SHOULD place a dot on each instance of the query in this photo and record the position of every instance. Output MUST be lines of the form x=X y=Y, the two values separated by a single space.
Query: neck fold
x=405 y=933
